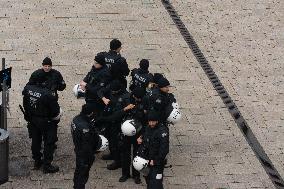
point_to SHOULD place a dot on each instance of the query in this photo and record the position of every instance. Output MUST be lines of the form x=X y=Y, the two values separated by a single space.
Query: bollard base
x=4 y=157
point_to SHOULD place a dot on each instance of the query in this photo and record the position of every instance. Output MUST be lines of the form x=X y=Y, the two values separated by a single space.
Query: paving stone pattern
x=242 y=41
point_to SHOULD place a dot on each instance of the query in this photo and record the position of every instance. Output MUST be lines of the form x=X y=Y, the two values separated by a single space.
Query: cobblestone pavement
x=244 y=43
x=242 y=40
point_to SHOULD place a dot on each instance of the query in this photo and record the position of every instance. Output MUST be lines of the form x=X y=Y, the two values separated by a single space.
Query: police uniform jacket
x=160 y=101
x=117 y=65
x=137 y=113
x=39 y=103
x=140 y=78
x=84 y=135
x=96 y=79
x=53 y=78
x=113 y=112
x=156 y=141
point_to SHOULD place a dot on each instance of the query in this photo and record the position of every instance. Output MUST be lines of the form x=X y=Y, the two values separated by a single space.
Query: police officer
x=53 y=78
x=153 y=85
x=116 y=63
x=156 y=137
x=86 y=141
x=161 y=99
x=97 y=78
x=156 y=78
x=114 y=98
x=42 y=112
x=136 y=113
x=141 y=76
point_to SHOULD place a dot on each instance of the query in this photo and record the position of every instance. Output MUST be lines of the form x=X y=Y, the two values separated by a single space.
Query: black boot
x=123 y=178
x=137 y=180
x=37 y=165
x=114 y=165
x=48 y=168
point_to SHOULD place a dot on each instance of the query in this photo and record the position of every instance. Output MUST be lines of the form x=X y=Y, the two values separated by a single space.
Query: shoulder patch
x=158 y=101
x=164 y=134
x=85 y=130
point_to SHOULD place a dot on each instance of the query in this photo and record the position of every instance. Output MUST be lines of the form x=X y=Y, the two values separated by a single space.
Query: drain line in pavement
x=268 y=166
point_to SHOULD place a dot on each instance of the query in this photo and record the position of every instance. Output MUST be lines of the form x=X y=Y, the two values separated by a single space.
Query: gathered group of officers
x=132 y=122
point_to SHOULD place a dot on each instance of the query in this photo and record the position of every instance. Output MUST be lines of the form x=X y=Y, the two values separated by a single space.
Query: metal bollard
x=4 y=155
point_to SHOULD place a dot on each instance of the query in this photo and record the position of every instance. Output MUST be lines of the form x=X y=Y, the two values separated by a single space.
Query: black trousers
x=85 y=156
x=46 y=132
x=154 y=180
x=115 y=141
x=126 y=155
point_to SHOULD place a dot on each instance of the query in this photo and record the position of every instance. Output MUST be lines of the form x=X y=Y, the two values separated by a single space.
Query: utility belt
x=41 y=121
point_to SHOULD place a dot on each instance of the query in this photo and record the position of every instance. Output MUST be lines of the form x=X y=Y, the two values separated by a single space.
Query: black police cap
x=47 y=61
x=163 y=82
x=153 y=116
x=156 y=77
x=100 y=59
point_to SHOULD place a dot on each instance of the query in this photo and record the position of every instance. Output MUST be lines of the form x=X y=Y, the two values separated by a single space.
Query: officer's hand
x=83 y=85
x=128 y=107
x=139 y=140
x=105 y=100
x=152 y=162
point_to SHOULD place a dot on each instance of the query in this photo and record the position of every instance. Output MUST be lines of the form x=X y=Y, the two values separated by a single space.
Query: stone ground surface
x=242 y=40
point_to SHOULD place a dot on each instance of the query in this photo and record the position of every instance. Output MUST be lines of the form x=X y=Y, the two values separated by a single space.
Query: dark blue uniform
x=118 y=66
x=86 y=141
x=160 y=101
x=53 y=78
x=140 y=78
x=156 y=142
x=96 y=79
x=138 y=114
x=41 y=106
x=113 y=116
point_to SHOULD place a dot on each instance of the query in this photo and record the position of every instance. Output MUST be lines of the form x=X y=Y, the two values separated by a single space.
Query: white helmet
x=103 y=144
x=174 y=117
x=130 y=127
x=175 y=105
x=140 y=163
x=78 y=92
